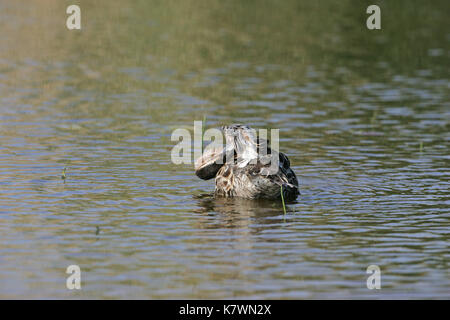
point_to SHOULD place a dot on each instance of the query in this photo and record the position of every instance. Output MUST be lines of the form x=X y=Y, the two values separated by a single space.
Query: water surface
x=363 y=116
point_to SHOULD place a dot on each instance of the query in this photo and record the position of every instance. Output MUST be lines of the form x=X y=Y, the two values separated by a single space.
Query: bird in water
x=246 y=168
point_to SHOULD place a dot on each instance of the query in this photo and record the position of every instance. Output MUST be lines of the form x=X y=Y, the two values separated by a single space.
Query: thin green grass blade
x=282 y=200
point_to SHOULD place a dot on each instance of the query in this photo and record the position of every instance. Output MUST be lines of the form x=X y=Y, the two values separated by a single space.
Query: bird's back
x=257 y=180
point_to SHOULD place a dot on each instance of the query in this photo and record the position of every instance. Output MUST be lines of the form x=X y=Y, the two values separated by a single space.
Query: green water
x=363 y=116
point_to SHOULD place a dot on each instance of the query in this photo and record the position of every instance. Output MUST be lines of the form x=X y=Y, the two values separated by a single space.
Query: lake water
x=363 y=116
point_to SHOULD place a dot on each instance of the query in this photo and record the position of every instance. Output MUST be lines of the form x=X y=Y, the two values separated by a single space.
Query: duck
x=244 y=167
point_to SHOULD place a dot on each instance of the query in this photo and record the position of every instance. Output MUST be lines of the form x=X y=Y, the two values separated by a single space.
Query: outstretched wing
x=207 y=166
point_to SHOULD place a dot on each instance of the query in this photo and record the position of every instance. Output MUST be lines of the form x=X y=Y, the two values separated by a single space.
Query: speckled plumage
x=245 y=173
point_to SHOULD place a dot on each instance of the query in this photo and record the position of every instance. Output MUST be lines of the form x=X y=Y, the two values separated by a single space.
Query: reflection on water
x=364 y=118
